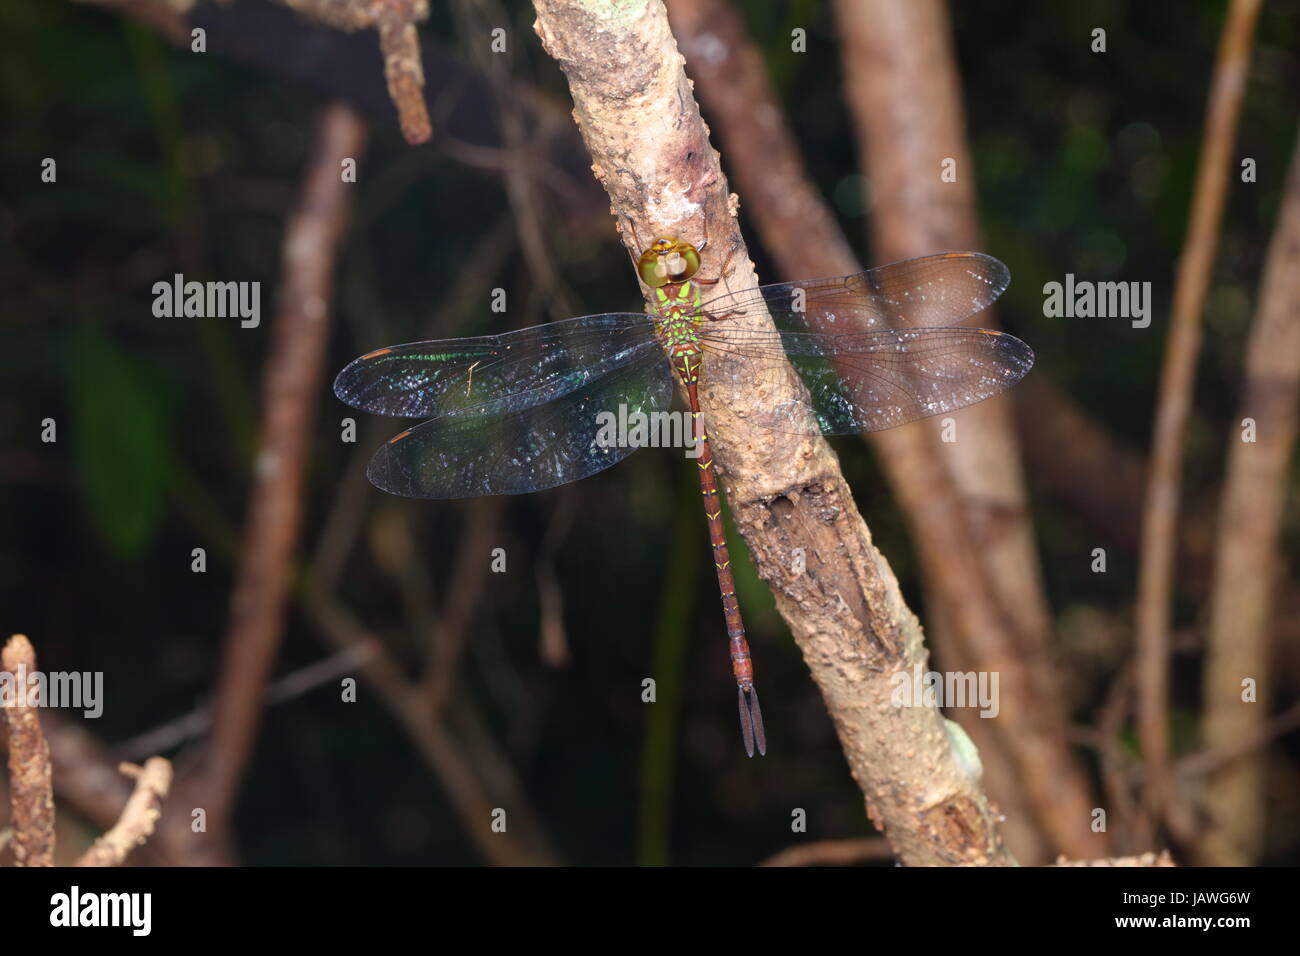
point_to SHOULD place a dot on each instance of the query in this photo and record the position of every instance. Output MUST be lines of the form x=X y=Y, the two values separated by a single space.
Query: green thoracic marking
x=679 y=314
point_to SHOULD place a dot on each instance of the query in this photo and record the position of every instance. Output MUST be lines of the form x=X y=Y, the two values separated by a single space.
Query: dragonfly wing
x=525 y=449
x=492 y=374
x=868 y=381
x=926 y=292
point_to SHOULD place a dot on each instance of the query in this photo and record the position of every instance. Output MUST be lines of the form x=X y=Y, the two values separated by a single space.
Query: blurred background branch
x=291 y=384
x=1239 y=684
x=1173 y=409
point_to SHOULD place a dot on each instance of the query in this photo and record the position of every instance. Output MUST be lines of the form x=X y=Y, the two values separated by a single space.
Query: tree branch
x=1246 y=563
x=1160 y=518
x=292 y=383
x=31 y=789
x=139 y=816
x=638 y=117
x=955 y=535
x=832 y=852
x=902 y=86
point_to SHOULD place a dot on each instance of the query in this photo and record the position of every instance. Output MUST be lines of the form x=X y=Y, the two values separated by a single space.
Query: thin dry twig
x=400 y=45
x=31 y=788
x=522 y=843
x=1079 y=461
x=1118 y=772
x=553 y=643
x=294 y=684
x=394 y=20
x=1246 y=570
x=521 y=152
x=638 y=116
x=1212 y=759
x=1146 y=859
x=87 y=778
x=832 y=853
x=463 y=598
x=398 y=42
x=292 y=383
x=1173 y=404
x=139 y=816
x=1075 y=458
x=1247 y=561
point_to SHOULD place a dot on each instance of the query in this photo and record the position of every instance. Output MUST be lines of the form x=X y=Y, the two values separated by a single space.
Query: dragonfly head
x=668 y=260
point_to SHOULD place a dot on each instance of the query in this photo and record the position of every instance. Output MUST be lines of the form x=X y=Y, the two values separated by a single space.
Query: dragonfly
x=523 y=411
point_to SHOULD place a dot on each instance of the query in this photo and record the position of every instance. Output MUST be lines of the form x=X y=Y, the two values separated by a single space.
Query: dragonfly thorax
x=677 y=320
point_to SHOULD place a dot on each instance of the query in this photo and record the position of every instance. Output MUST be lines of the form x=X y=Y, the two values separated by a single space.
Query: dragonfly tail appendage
x=751 y=722
x=746 y=722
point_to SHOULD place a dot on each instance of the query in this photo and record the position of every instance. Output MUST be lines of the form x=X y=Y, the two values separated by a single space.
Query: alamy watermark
x=133 y=911
x=72 y=690
x=919 y=688
x=637 y=429
x=1083 y=299
x=208 y=300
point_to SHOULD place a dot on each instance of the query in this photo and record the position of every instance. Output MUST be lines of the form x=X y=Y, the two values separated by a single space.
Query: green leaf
x=119 y=440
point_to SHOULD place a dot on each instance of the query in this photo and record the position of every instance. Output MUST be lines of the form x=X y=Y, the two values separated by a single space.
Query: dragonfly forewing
x=926 y=292
x=492 y=374
x=527 y=449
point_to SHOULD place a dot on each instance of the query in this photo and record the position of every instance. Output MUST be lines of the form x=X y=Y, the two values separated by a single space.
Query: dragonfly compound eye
x=668 y=260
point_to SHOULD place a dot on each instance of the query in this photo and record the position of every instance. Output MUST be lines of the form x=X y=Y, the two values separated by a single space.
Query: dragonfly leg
x=726 y=260
x=724 y=315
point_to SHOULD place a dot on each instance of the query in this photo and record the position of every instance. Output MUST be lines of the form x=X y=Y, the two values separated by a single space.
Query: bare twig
x=291 y=386
x=1247 y=561
x=31 y=790
x=1118 y=771
x=638 y=117
x=398 y=41
x=553 y=644
x=521 y=153
x=394 y=20
x=197 y=721
x=400 y=44
x=1160 y=518
x=1146 y=859
x=87 y=778
x=464 y=595
x=522 y=843
x=139 y=816
x=832 y=853
x=1210 y=760
x=1074 y=457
